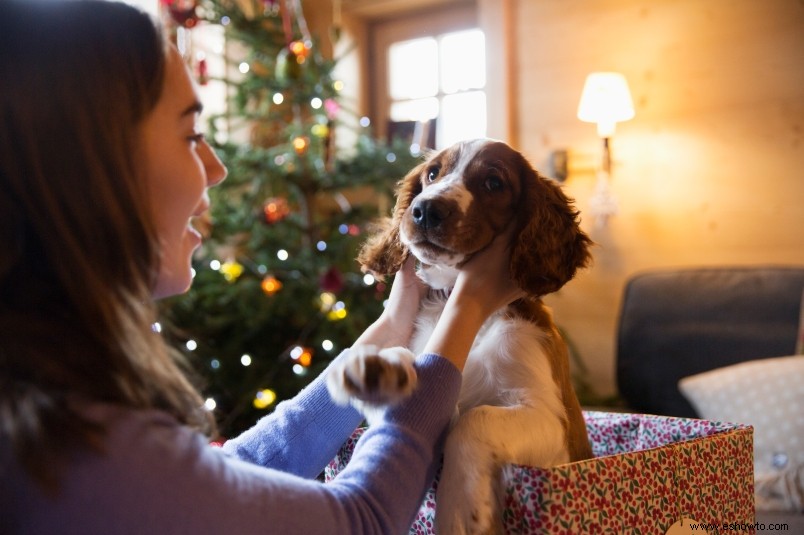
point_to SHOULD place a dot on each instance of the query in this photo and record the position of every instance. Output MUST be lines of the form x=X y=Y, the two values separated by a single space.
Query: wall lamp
x=606 y=101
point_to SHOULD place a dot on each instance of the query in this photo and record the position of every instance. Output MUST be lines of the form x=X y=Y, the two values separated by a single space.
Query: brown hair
x=79 y=254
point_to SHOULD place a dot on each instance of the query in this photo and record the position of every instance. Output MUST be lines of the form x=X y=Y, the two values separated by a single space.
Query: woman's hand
x=394 y=327
x=484 y=285
x=486 y=279
x=403 y=303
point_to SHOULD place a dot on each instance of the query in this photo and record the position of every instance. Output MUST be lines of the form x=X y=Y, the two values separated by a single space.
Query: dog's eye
x=432 y=173
x=493 y=183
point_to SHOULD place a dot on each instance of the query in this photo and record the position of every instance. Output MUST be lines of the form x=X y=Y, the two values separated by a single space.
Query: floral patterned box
x=648 y=473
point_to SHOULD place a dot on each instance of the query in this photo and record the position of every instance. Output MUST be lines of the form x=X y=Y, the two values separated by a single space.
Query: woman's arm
x=303 y=434
x=156 y=476
x=394 y=327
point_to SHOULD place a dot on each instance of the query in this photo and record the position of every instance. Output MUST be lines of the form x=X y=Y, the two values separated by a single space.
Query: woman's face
x=180 y=166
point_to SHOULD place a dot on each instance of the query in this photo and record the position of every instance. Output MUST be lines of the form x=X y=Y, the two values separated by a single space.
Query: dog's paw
x=372 y=377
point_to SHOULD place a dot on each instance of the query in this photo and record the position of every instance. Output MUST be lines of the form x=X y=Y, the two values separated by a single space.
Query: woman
x=102 y=169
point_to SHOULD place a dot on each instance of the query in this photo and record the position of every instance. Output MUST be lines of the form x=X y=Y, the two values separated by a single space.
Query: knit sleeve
x=156 y=476
x=301 y=435
x=392 y=467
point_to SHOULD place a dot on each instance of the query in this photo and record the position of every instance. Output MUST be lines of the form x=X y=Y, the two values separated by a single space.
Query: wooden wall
x=709 y=172
x=711 y=169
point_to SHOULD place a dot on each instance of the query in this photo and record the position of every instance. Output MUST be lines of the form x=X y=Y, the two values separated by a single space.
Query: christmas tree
x=277 y=293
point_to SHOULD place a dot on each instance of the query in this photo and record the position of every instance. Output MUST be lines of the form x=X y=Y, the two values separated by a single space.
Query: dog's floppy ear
x=550 y=247
x=384 y=253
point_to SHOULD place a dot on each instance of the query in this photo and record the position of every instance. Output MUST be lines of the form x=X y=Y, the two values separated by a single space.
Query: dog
x=517 y=404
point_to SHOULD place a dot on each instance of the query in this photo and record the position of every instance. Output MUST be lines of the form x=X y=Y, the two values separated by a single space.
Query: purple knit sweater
x=158 y=477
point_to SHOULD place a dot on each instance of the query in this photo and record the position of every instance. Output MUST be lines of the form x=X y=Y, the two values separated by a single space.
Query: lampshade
x=606 y=101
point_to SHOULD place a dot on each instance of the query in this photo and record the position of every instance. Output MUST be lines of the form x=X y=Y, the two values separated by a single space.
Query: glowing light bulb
x=270 y=285
x=338 y=312
x=306 y=358
x=319 y=130
x=300 y=144
x=264 y=398
x=231 y=270
x=327 y=300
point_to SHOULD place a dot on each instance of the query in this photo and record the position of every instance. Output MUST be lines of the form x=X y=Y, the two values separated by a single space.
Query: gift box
x=649 y=474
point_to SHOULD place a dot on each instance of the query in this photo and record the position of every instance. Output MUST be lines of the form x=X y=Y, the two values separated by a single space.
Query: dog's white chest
x=506 y=364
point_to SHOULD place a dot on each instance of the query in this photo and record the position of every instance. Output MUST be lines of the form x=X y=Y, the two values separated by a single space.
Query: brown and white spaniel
x=517 y=404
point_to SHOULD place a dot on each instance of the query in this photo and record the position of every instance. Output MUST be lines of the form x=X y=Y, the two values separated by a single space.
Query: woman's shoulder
x=133 y=433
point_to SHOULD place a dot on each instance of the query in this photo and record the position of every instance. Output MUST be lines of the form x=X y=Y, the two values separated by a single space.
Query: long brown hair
x=78 y=248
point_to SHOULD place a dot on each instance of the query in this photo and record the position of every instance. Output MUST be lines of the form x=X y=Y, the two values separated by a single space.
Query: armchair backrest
x=679 y=322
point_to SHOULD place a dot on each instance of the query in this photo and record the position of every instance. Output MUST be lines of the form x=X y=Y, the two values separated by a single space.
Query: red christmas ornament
x=379 y=291
x=276 y=209
x=332 y=280
x=182 y=12
x=300 y=50
x=203 y=72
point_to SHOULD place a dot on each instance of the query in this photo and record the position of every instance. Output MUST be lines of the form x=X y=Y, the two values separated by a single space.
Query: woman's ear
x=550 y=247
x=384 y=253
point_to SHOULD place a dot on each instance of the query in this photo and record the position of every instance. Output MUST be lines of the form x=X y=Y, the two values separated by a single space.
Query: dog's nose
x=429 y=213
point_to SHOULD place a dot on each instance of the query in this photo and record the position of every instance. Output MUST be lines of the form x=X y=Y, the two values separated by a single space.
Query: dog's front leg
x=469 y=498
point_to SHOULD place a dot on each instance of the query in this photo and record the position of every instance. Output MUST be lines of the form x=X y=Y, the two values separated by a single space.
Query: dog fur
x=517 y=404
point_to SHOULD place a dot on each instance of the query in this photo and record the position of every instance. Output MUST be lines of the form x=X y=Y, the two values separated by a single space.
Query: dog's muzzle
x=429 y=213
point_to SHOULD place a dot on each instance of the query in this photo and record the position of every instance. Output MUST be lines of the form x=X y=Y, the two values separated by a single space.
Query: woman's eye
x=196 y=138
x=432 y=173
x=493 y=183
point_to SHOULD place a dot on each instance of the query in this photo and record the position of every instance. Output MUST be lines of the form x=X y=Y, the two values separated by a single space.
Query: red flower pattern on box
x=648 y=471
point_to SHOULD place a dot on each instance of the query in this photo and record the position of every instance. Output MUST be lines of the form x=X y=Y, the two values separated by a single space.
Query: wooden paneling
x=711 y=169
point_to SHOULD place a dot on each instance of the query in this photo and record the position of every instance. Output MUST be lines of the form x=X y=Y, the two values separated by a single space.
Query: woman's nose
x=213 y=166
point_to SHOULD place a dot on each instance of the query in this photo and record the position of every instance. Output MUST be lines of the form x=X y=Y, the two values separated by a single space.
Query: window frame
x=384 y=32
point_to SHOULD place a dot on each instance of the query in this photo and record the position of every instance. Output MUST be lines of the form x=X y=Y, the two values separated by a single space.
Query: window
x=431 y=67
x=442 y=78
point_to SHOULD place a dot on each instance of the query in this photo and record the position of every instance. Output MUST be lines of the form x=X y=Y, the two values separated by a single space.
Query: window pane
x=463 y=116
x=463 y=61
x=413 y=68
x=421 y=109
